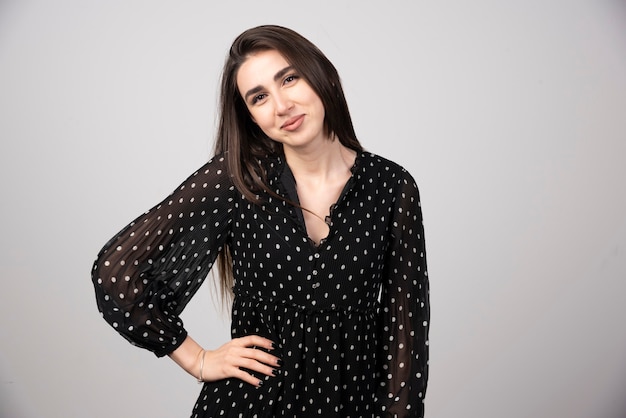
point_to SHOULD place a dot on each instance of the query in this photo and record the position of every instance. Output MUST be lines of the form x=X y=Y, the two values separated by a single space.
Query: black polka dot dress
x=349 y=317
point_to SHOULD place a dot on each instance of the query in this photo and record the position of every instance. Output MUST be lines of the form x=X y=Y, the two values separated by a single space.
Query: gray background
x=511 y=117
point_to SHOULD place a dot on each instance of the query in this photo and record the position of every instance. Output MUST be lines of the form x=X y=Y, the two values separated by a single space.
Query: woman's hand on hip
x=230 y=359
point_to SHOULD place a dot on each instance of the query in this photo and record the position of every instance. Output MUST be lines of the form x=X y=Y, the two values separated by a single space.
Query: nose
x=283 y=103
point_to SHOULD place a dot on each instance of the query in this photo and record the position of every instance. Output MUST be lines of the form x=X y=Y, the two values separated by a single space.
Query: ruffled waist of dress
x=242 y=297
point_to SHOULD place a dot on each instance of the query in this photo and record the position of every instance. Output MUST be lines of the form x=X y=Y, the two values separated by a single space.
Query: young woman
x=319 y=243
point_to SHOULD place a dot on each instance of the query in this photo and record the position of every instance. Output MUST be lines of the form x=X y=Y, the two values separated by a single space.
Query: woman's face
x=280 y=101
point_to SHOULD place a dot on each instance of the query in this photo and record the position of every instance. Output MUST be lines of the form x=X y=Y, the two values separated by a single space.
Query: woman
x=320 y=244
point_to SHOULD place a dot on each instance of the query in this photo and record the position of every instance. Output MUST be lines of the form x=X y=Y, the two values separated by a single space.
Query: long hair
x=242 y=142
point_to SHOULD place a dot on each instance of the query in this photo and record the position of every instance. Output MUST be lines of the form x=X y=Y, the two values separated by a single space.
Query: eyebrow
x=277 y=77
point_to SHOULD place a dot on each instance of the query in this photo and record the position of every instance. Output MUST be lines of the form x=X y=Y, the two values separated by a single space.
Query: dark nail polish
x=279 y=362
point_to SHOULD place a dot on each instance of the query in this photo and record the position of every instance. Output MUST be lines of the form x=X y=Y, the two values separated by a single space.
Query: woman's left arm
x=405 y=309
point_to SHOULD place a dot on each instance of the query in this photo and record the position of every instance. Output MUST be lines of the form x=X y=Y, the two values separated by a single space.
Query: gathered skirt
x=328 y=364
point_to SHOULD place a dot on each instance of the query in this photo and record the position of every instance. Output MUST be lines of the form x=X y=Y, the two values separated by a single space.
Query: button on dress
x=349 y=317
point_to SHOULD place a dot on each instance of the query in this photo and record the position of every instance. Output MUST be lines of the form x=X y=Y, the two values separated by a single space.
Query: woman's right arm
x=147 y=273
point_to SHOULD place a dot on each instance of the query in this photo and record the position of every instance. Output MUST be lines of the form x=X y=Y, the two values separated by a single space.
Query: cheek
x=319 y=106
x=262 y=118
x=317 y=102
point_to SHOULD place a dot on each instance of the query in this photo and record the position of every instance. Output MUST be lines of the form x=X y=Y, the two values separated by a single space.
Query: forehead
x=259 y=69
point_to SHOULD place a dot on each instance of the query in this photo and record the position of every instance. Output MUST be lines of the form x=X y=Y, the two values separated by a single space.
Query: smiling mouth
x=293 y=123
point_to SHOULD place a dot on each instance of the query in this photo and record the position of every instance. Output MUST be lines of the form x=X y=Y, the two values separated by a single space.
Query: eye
x=290 y=78
x=258 y=98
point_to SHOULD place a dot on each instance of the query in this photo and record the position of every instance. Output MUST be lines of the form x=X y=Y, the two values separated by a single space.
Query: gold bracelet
x=200 y=380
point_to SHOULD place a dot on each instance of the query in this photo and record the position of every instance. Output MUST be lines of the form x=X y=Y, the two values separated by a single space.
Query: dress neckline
x=287 y=182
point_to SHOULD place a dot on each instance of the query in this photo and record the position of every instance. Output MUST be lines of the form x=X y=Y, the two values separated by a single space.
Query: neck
x=325 y=161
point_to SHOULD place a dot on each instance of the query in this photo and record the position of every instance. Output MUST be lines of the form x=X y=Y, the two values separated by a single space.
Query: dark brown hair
x=242 y=142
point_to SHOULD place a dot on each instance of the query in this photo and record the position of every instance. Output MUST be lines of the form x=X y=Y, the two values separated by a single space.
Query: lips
x=293 y=123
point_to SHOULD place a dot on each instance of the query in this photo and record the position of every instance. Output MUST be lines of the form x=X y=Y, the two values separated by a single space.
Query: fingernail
x=273 y=346
x=260 y=383
x=279 y=362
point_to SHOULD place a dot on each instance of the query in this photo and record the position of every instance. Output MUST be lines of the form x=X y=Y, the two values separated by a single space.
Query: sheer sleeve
x=147 y=273
x=403 y=349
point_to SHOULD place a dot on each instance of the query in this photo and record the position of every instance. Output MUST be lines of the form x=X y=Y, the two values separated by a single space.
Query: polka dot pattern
x=350 y=316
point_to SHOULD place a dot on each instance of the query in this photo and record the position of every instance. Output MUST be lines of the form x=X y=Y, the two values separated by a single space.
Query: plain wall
x=511 y=116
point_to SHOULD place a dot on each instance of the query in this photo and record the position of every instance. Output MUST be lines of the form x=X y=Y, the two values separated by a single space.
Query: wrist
x=188 y=356
x=202 y=354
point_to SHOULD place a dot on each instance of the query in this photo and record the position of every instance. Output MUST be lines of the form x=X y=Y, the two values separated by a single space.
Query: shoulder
x=388 y=180
x=372 y=164
x=216 y=162
x=211 y=176
x=216 y=166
